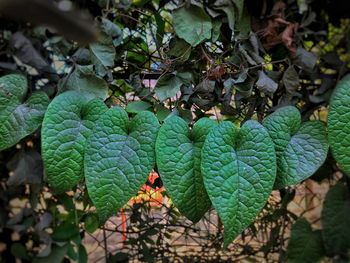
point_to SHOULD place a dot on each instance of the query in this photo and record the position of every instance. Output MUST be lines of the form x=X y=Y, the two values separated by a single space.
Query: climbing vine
x=224 y=100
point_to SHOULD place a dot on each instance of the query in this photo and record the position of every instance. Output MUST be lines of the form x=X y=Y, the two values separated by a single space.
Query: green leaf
x=18 y=119
x=56 y=256
x=239 y=169
x=243 y=25
x=72 y=252
x=65 y=232
x=137 y=106
x=239 y=5
x=192 y=24
x=160 y=28
x=118 y=158
x=91 y=222
x=84 y=79
x=339 y=124
x=178 y=151
x=265 y=83
x=13 y=86
x=216 y=30
x=179 y=49
x=305 y=59
x=227 y=6
x=169 y=85
x=245 y=88
x=335 y=220
x=103 y=51
x=19 y=251
x=68 y=122
x=290 y=79
x=300 y=148
x=112 y=30
x=305 y=245
x=162 y=112
x=82 y=254
x=27 y=168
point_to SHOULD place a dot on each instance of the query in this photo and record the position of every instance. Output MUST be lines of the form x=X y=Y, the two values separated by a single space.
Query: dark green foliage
x=300 y=148
x=335 y=214
x=339 y=124
x=187 y=69
x=19 y=118
x=118 y=158
x=68 y=122
x=179 y=160
x=239 y=168
x=305 y=245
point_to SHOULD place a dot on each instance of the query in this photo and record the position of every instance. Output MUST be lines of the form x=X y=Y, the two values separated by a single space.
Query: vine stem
x=107 y=8
x=105 y=243
x=76 y=215
x=216 y=114
x=267 y=63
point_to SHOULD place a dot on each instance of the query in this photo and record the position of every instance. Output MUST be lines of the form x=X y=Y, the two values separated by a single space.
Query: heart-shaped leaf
x=301 y=148
x=68 y=122
x=339 y=124
x=118 y=158
x=178 y=159
x=239 y=169
x=18 y=119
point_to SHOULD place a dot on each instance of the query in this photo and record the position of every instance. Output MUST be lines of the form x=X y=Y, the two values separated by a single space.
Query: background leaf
x=291 y=79
x=305 y=245
x=305 y=59
x=192 y=24
x=103 y=51
x=169 y=85
x=27 y=167
x=265 y=83
x=335 y=215
x=19 y=119
x=56 y=256
x=137 y=106
x=84 y=79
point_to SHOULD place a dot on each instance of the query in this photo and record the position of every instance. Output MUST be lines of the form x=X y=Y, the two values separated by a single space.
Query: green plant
x=68 y=122
x=19 y=118
x=118 y=158
x=339 y=124
x=300 y=148
x=239 y=169
x=179 y=155
x=165 y=86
